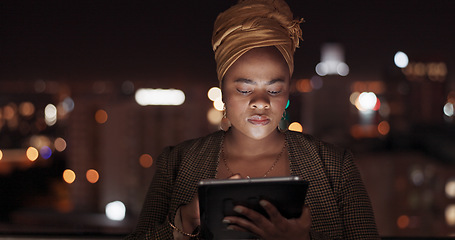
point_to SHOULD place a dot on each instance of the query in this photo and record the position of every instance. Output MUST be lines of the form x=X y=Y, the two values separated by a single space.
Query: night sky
x=110 y=40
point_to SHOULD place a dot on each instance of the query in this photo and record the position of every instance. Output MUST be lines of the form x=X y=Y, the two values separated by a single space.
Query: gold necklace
x=266 y=173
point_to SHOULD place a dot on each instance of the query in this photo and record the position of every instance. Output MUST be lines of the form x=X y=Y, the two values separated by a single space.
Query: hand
x=190 y=212
x=277 y=227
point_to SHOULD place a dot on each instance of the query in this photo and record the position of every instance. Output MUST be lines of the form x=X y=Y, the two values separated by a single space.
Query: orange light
x=403 y=221
x=92 y=176
x=26 y=109
x=304 y=85
x=146 y=160
x=69 y=176
x=32 y=154
x=384 y=128
x=101 y=116
x=296 y=127
x=1 y=154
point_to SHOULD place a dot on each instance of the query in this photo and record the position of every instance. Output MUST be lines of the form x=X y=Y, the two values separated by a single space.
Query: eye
x=274 y=92
x=243 y=91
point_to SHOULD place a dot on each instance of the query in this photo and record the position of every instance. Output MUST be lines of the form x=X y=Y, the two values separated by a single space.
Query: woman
x=254 y=42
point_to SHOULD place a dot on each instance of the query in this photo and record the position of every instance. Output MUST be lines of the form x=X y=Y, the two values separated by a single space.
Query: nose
x=260 y=101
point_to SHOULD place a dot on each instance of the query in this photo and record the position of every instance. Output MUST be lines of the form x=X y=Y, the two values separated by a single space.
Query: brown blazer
x=340 y=206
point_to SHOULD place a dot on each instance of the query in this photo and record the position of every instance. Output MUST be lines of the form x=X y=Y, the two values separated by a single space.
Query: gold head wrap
x=252 y=24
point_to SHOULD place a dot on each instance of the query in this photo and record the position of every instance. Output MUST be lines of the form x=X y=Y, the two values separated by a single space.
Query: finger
x=275 y=216
x=235 y=176
x=255 y=217
x=242 y=224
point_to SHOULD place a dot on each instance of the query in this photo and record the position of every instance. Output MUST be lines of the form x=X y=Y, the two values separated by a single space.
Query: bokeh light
x=69 y=176
x=101 y=116
x=342 y=69
x=316 y=82
x=450 y=215
x=68 y=104
x=366 y=101
x=115 y=211
x=296 y=127
x=1 y=154
x=146 y=160
x=60 y=144
x=218 y=104
x=146 y=97
x=92 y=175
x=214 y=116
x=450 y=188
x=401 y=59
x=384 y=128
x=50 y=114
x=448 y=109
x=32 y=154
x=304 y=85
x=403 y=221
x=26 y=109
x=214 y=93
x=45 y=152
x=9 y=111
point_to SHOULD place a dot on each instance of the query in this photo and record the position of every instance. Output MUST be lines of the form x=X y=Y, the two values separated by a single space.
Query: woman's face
x=256 y=91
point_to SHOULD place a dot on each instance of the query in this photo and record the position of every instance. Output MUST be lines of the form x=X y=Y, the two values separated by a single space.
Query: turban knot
x=251 y=24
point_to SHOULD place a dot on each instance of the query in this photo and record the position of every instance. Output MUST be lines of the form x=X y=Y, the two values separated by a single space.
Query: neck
x=247 y=146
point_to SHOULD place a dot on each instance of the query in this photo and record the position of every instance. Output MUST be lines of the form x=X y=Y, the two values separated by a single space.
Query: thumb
x=305 y=218
x=235 y=176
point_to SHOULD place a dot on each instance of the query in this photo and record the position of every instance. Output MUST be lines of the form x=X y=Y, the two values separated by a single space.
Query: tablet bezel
x=286 y=193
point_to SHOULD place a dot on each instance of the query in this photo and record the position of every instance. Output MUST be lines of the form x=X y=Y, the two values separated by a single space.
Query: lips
x=259 y=120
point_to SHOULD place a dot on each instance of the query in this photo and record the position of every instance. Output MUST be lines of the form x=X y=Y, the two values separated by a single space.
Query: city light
x=450 y=215
x=92 y=176
x=296 y=127
x=101 y=116
x=366 y=101
x=60 y=144
x=218 y=104
x=115 y=211
x=450 y=188
x=68 y=104
x=145 y=160
x=384 y=128
x=332 y=61
x=401 y=59
x=26 y=109
x=214 y=116
x=448 y=109
x=145 y=96
x=1 y=154
x=403 y=221
x=45 y=152
x=214 y=93
x=32 y=154
x=50 y=114
x=69 y=176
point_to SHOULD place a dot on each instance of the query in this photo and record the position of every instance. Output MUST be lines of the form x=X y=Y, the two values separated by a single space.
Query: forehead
x=259 y=63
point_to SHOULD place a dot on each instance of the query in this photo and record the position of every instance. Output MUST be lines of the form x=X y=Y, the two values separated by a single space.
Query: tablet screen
x=217 y=199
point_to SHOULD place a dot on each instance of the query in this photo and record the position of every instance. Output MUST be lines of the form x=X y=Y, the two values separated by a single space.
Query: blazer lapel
x=305 y=161
x=198 y=162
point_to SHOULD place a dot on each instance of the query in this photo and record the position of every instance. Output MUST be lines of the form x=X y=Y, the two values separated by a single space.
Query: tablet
x=217 y=199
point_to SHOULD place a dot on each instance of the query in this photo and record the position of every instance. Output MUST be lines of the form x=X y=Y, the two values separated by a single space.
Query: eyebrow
x=249 y=81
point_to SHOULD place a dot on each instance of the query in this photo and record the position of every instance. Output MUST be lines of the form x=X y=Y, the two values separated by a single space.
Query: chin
x=260 y=134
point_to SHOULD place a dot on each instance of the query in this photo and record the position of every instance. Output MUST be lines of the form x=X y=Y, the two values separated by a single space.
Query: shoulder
x=194 y=146
x=323 y=149
x=209 y=141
